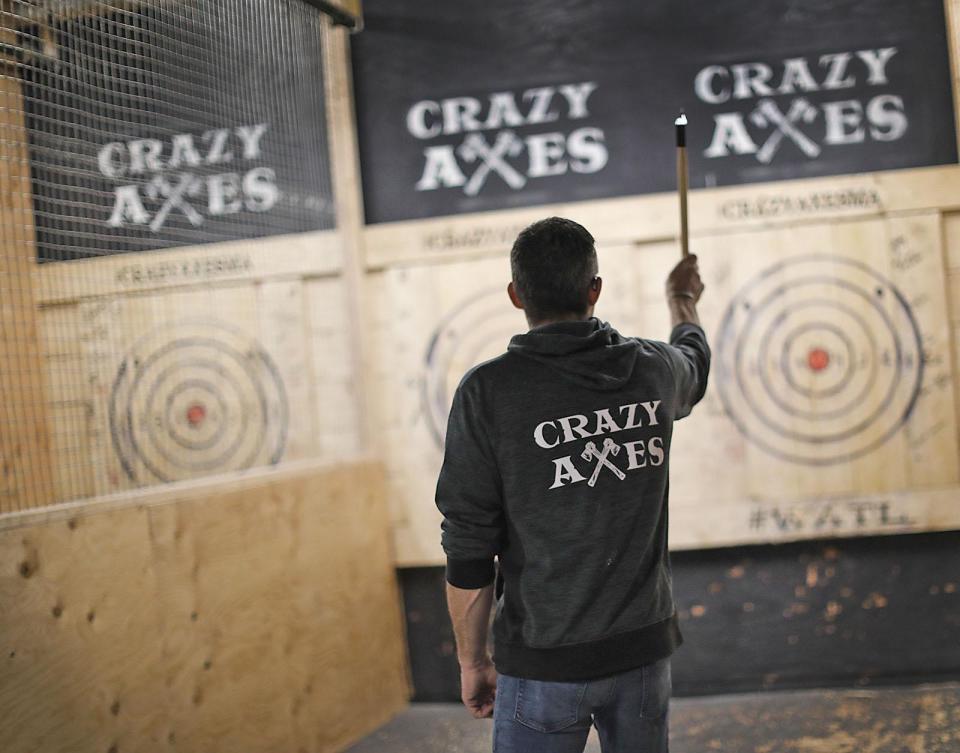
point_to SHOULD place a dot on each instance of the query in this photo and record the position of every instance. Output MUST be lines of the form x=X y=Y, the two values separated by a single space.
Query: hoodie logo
x=599 y=455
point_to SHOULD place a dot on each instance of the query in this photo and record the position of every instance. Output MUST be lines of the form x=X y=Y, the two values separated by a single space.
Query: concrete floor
x=921 y=719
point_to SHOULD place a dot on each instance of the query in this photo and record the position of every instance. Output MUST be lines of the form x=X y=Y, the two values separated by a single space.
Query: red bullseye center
x=195 y=413
x=818 y=359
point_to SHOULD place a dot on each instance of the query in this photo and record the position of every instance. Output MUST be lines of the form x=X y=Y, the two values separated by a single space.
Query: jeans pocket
x=657 y=687
x=548 y=706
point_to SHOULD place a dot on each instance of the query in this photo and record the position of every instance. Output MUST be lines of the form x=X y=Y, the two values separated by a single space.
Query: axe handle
x=682 y=188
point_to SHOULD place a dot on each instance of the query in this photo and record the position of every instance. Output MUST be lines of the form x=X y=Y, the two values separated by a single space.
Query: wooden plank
x=951 y=235
x=655 y=217
x=952 y=11
x=25 y=477
x=296 y=255
x=281 y=325
x=260 y=614
x=345 y=173
x=334 y=383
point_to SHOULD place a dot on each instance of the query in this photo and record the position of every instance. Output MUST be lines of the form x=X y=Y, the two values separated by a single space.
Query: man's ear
x=594 y=293
x=514 y=298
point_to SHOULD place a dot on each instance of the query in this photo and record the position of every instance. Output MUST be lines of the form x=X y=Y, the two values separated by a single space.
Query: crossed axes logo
x=174 y=195
x=767 y=115
x=591 y=451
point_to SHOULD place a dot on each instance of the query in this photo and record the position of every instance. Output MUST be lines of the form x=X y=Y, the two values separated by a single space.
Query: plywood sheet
x=257 y=615
x=833 y=379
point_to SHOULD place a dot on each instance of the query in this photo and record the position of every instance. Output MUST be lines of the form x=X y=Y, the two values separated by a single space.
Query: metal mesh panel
x=131 y=127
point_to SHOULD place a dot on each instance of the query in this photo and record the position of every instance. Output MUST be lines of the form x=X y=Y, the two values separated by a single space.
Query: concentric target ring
x=848 y=361
x=834 y=389
x=819 y=360
x=476 y=330
x=196 y=397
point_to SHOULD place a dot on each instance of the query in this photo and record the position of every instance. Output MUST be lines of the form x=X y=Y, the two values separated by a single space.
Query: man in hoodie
x=556 y=464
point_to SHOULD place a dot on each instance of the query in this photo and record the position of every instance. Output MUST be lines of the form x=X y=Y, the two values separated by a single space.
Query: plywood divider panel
x=255 y=613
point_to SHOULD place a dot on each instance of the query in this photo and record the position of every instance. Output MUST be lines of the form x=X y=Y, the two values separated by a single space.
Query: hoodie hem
x=592 y=659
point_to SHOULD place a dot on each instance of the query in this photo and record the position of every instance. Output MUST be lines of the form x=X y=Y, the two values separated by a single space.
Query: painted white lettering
x=844 y=122
x=577 y=96
x=145 y=155
x=440 y=169
x=540 y=111
x=546 y=152
x=105 y=160
x=751 y=79
x=836 y=73
x=417 y=123
x=128 y=207
x=223 y=192
x=183 y=152
x=887 y=119
x=588 y=153
x=704 y=87
x=796 y=75
x=503 y=111
x=260 y=189
x=217 y=138
x=876 y=62
x=460 y=114
x=729 y=133
x=250 y=136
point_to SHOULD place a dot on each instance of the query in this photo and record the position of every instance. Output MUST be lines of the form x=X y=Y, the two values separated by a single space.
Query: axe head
x=611 y=446
x=589 y=451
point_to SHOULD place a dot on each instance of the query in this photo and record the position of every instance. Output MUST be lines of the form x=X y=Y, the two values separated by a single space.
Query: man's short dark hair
x=553 y=262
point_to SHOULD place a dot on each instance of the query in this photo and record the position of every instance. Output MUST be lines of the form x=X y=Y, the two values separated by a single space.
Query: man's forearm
x=470 y=615
x=683 y=309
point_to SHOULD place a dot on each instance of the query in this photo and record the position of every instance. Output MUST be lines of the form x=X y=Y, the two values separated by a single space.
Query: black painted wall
x=850 y=612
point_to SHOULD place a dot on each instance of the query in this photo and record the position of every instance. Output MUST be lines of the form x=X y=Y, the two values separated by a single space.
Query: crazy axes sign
x=132 y=149
x=490 y=104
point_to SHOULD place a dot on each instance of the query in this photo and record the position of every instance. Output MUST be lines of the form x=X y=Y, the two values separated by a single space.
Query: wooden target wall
x=831 y=306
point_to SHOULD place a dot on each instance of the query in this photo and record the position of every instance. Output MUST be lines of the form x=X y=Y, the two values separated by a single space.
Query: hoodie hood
x=588 y=352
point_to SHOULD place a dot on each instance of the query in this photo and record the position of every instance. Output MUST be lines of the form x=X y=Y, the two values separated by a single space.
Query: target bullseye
x=195 y=414
x=196 y=397
x=819 y=360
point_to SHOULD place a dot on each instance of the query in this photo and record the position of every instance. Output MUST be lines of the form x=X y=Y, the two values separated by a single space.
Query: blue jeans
x=630 y=711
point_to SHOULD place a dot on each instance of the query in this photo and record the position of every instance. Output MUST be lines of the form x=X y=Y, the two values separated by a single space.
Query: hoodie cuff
x=470 y=574
x=678 y=331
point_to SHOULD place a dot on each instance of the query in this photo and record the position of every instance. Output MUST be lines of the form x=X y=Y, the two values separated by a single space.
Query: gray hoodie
x=556 y=464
